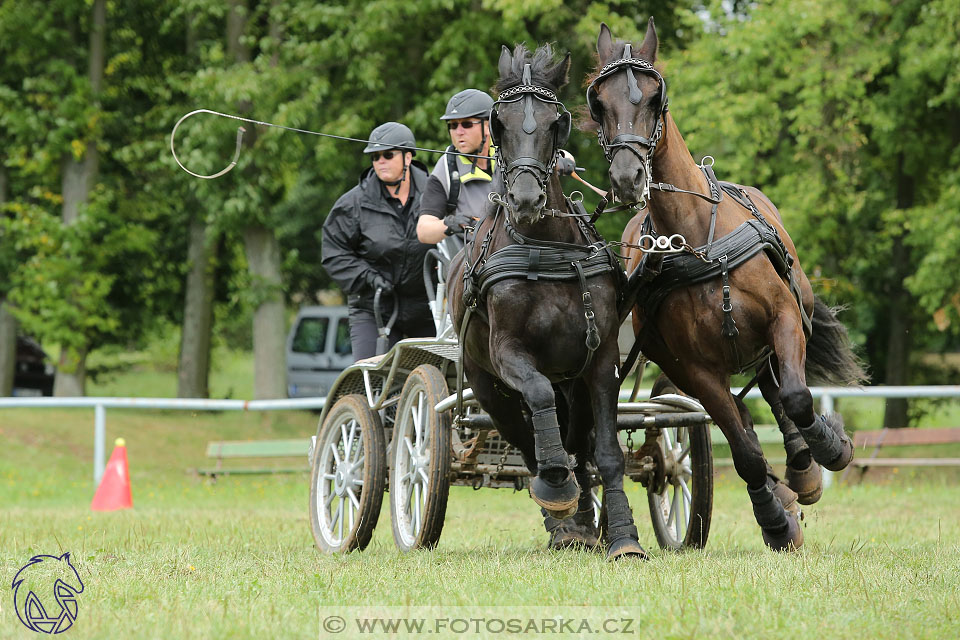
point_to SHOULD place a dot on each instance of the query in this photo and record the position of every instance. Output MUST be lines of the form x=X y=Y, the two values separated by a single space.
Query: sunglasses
x=387 y=155
x=466 y=124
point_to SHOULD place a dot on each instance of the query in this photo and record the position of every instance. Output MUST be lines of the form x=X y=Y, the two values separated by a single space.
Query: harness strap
x=460 y=337
x=729 y=327
x=593 y=334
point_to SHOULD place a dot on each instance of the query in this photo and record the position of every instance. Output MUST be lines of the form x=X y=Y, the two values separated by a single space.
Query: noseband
x=527 y=91
x=626 y=141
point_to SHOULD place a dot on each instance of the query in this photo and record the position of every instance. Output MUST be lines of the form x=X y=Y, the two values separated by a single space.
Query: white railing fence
x=826 y=395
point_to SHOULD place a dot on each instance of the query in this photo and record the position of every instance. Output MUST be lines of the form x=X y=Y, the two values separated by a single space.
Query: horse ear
x=605 y=43
x=561 y=71
x=648 y=49
x=505 y=63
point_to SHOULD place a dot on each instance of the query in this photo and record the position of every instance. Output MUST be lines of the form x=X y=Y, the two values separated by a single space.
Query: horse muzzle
x=526 y=200
x=627 y=177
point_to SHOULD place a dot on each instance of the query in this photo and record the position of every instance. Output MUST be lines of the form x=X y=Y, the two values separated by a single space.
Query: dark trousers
x=413 y=321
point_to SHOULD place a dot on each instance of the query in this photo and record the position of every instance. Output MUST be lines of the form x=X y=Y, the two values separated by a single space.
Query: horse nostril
x=541 y=201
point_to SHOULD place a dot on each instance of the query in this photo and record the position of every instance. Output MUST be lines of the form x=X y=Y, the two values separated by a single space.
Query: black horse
x=738 y=302
x=535 y=296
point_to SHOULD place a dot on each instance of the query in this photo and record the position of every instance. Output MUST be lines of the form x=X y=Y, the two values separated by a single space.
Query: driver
x=456 y=192
x=369 y=242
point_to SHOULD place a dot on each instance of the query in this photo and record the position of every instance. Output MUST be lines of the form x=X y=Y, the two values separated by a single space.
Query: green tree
x=848 y=116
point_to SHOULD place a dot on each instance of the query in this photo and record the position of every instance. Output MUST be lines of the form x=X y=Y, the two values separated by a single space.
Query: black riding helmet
x=470 y=103
x=392 y=135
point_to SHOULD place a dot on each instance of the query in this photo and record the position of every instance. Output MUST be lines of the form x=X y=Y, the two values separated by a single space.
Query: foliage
x=846 y=116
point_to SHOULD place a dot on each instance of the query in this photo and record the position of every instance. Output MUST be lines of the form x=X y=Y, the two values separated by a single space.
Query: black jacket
x=364 y=235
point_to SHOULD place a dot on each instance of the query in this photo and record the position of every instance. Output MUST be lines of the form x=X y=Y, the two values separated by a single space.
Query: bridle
x=621 y=141
x=527 y=91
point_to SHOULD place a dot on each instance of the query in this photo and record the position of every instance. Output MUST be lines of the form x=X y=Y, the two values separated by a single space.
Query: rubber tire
x=423 y=389
x=350 y=408
x=700 y=484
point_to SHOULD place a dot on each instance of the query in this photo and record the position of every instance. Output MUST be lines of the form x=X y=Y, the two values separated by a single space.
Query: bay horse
x=739 y=301
x=534 y=295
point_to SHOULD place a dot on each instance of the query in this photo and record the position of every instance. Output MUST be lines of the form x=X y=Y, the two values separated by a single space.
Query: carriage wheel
x=348 y=476
x=420 y=468
x=681 y=510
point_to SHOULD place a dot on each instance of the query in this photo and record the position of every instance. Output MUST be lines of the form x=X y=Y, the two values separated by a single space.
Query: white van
x=318 y=349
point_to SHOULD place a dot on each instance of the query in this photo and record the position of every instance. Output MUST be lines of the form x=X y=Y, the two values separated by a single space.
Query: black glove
x=456 y=222
x=377 y=281
x=566 y=164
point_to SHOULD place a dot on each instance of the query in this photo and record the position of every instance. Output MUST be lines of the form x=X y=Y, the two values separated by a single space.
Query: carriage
x=395 y=423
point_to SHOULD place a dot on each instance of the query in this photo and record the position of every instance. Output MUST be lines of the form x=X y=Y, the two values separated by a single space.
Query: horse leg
x=780 y=527
x=803 y=473
x=787 y=496
x=604 y=385
x=505 y=409
x=829 y=444
x=554 y=487
x=580 y=530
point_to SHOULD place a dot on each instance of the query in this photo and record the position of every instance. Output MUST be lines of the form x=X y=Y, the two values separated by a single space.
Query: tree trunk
x=78 y=178
x=263 y=257
x=8 y=350
x=193 y=373
x=8 y=324
x=901 y=306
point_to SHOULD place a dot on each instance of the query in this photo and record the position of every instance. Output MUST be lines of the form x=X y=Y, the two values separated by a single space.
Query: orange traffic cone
x=114 y=490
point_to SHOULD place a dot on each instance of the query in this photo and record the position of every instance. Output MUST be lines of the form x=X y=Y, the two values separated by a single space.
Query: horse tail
x=830 y=357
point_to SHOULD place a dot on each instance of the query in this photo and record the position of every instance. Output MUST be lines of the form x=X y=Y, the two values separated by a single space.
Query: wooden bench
x=296 y=448
x=901 y=438
x=766 y=434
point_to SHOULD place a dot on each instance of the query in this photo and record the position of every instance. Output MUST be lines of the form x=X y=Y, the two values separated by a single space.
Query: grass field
x=235 y=558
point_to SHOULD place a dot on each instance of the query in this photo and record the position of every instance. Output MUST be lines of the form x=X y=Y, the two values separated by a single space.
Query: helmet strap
x=398 y=183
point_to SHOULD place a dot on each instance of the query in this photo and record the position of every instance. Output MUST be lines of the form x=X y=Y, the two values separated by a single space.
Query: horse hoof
x=807 y=483
x=791 y=539
x=560 y=500
x=626 y=548
x=568 y=534
x=835 y=422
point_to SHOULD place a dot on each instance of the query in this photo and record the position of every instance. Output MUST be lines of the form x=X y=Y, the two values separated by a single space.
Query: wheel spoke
x=335 y=514
x=426 y=480
x=346 y=440
x=416 y=509
x=407 y=478
x=670 y=505
x=354 y=501
x=677 y=511
x=330 y=498
x=683 y=454
x=667 y=440
x=421 y=418
x=359 y=462
x=329 y=476
x=686 y=490
x=410 y=449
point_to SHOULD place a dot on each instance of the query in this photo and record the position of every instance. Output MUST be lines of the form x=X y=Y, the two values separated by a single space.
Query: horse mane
x=543 y=69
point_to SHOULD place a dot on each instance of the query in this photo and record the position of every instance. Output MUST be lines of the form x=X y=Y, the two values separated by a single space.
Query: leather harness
x=656 y=277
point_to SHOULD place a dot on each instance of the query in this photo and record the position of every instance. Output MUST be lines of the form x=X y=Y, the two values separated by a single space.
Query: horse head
x=33 y=585
x=528 y=125
x=627 y=98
